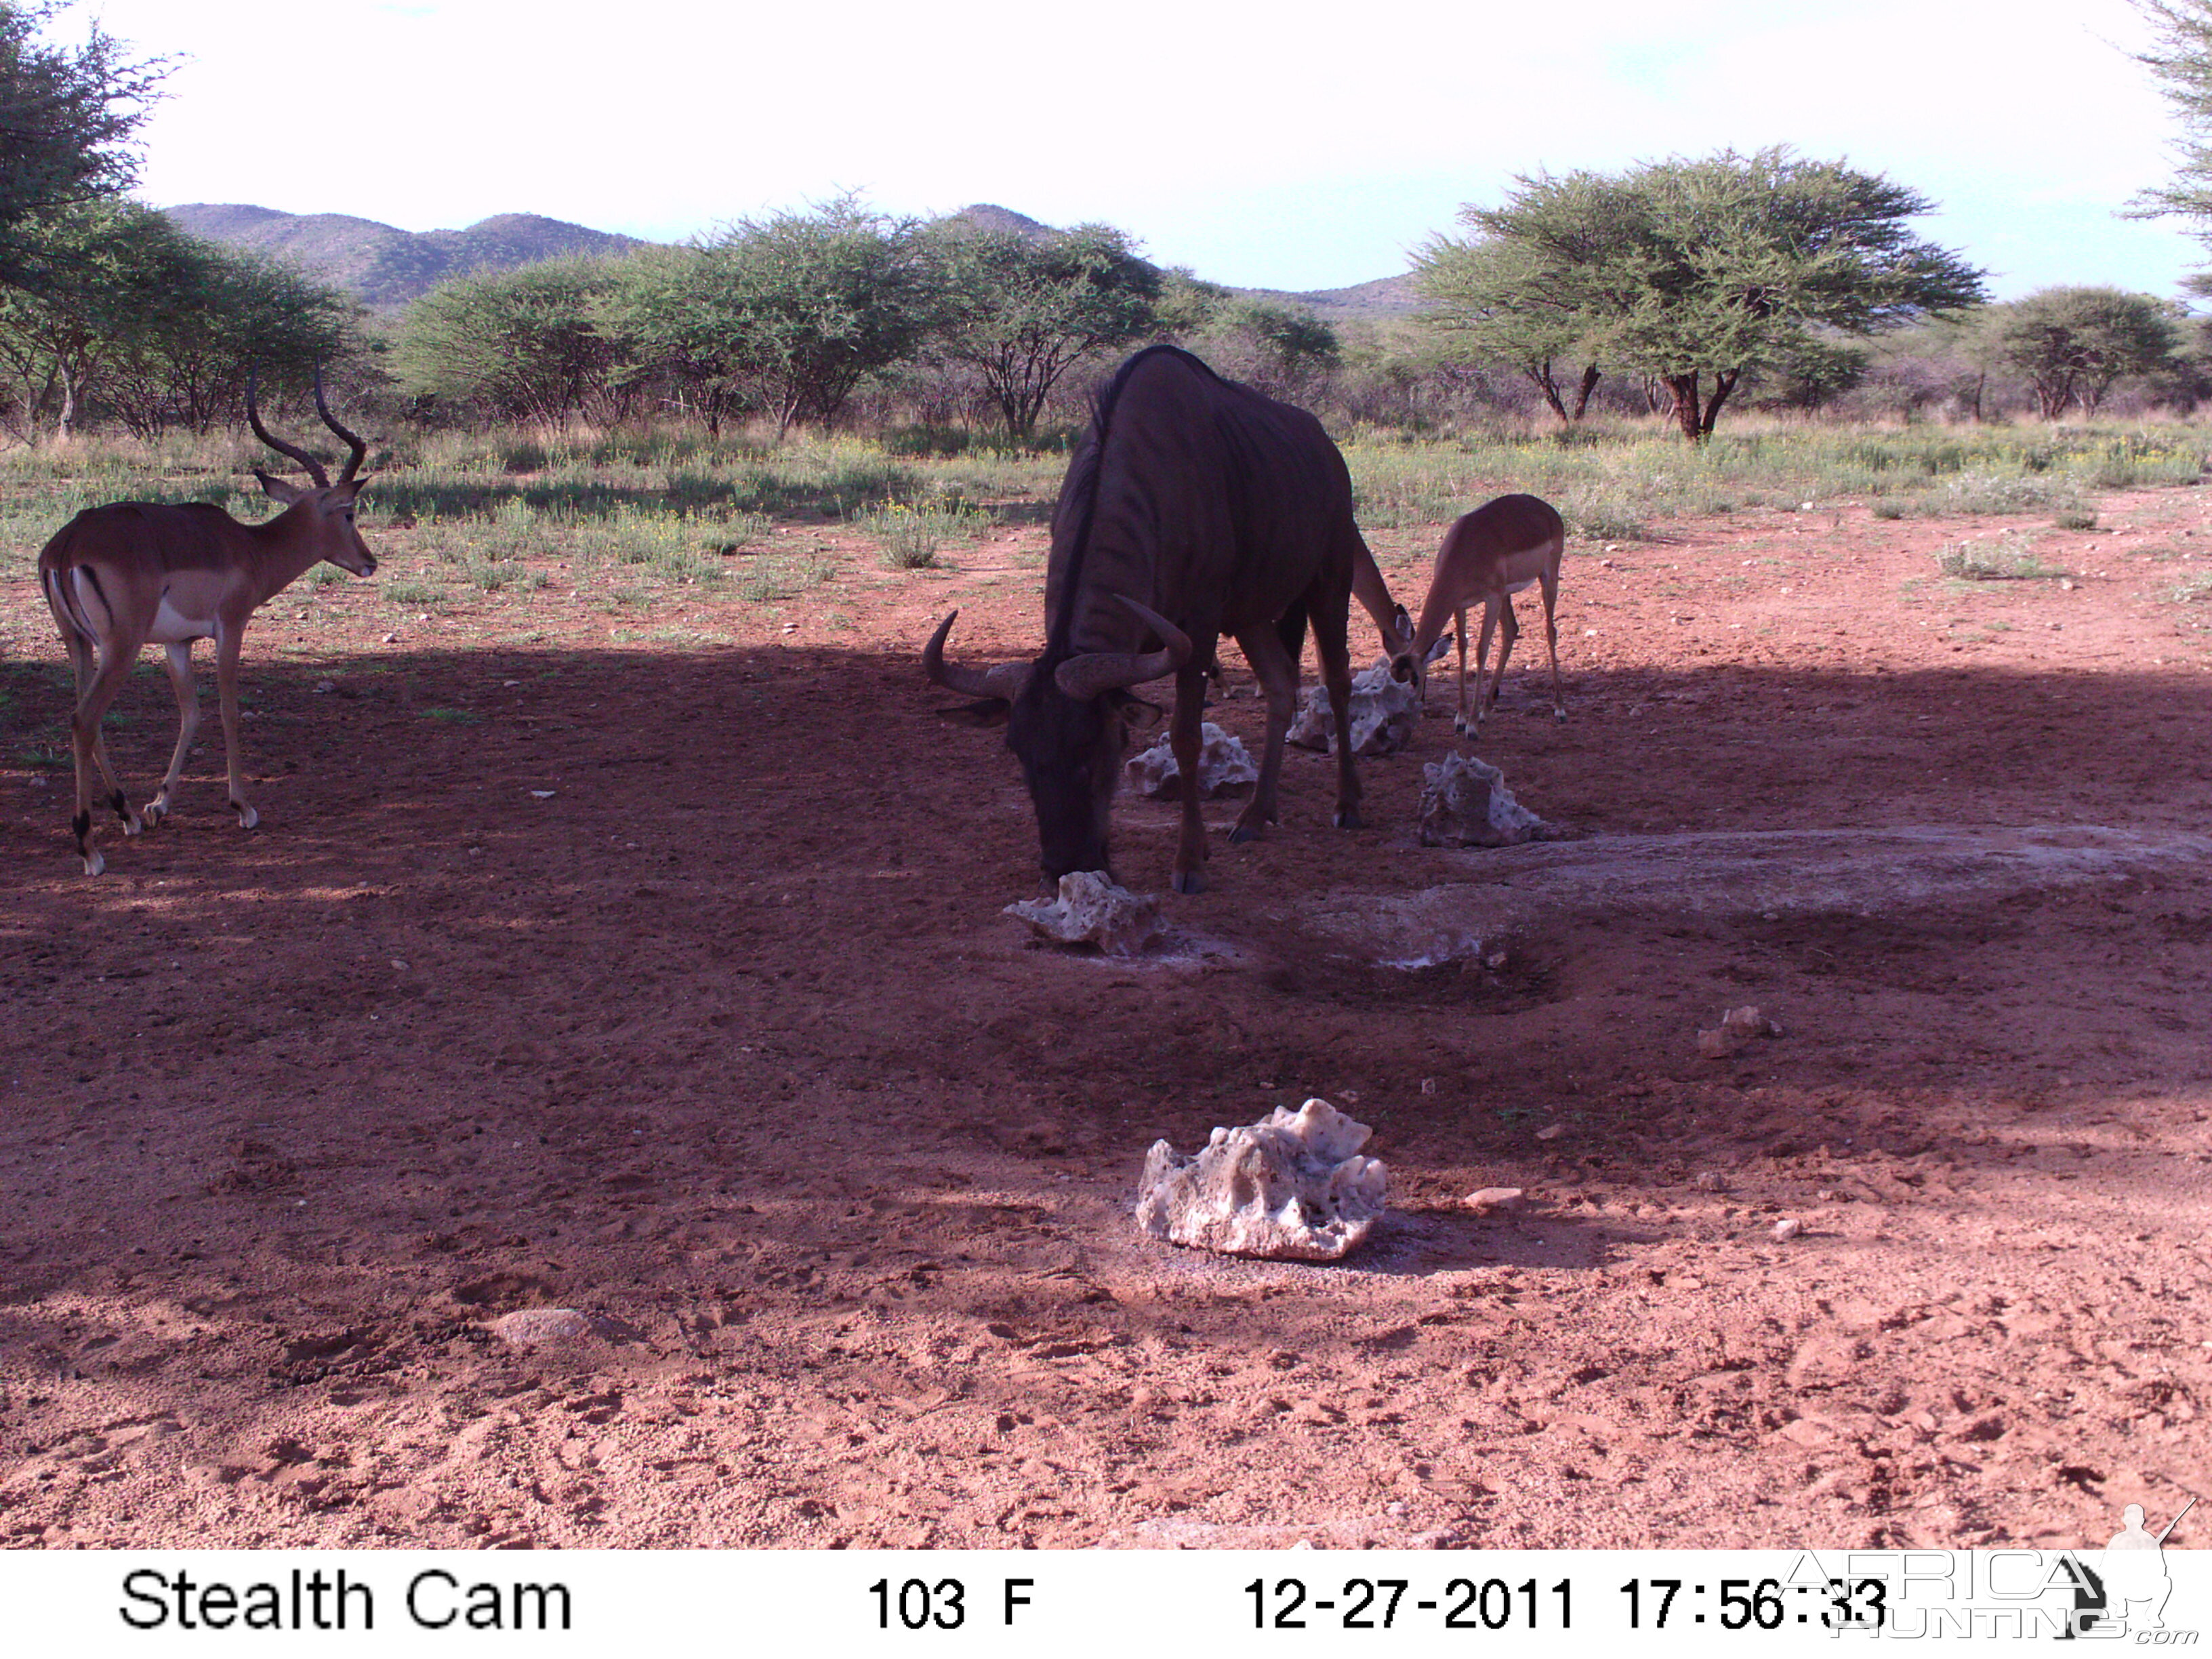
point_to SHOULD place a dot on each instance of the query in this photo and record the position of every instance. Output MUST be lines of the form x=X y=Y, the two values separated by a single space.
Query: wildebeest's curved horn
x=1004 y=679
x=1099 y=671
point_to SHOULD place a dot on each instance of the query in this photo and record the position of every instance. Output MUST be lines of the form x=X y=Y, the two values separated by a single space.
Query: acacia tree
x=2074 y=343
x=154 y=327
x=1699 y=272
x=1021 y=310
x=792 y=311
x=67 y=117
x=1488 y=300
x=2182 y=59
x=532 y=345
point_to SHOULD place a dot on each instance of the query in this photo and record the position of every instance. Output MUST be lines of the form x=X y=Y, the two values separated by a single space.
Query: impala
x=122 y=577
x=1489 y=554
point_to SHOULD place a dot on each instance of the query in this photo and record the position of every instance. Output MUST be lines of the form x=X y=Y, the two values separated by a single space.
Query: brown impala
x=1489 y=554
x=1193 y=508
x=122 y=577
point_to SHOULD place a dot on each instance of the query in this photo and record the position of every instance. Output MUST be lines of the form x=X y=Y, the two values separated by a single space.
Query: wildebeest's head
x=1068 y=723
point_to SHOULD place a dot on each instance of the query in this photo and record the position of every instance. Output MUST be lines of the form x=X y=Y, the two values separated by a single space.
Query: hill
x=383 y=265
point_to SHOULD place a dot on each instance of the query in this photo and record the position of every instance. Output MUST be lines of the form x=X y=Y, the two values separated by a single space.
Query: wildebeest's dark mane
x=1083 y=483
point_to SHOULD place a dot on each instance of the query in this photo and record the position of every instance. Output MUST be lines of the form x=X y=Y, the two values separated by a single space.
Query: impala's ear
x=279 y=490
x=1439 y=648
x=991 y=711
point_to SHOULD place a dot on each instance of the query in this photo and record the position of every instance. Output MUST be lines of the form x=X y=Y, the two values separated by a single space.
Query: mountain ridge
x=385 y=266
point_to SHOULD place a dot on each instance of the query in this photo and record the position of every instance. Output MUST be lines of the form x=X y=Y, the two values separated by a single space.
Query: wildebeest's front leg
x=1277 y=670
x=1186 y=740
x=1329 y=616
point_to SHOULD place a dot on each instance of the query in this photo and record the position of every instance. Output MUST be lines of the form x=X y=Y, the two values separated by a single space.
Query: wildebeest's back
x=1213 y=504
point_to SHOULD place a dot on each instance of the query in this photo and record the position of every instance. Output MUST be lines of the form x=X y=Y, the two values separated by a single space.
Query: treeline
x=840 y=317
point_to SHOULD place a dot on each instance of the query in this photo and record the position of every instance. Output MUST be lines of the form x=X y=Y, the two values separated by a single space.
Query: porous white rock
x=1222 y=763
x=1465 y=803
x=1292 y=1186
x=1092 y=909
x=528 y=1327
x=1383 y=714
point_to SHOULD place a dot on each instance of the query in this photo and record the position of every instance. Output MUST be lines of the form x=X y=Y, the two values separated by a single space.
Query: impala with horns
x=122 y=577
x=1489 y=555
x=1193 y=508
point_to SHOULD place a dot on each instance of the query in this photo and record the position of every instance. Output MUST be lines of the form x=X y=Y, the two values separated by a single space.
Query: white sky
x=1277 y=146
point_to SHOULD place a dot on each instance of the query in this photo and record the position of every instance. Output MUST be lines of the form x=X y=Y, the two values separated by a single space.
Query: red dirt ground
x=726 y=1043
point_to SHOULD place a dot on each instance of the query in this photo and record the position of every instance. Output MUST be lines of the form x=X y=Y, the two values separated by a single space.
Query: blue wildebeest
x=1192 y=509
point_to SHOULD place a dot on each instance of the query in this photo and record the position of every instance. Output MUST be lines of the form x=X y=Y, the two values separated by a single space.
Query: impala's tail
x=62 y=599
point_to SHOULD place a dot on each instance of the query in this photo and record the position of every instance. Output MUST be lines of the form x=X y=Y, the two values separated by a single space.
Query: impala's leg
x=1185 y=737
x=1551 y=641
x=1459 y=714
x=96 y=689
x=178 y=659
x=1508 y=630
x=226 y=641
x=1332 y=617
x=1490 y=608
x=1277 y=670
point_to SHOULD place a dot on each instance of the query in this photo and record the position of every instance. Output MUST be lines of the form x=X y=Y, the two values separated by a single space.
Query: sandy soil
x=724 y=1043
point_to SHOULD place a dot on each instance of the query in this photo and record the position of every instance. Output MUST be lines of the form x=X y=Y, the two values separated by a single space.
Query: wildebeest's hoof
x=1189 y=881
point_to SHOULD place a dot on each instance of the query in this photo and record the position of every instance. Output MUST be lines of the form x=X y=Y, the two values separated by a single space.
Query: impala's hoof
x=156 y=810
x=1243 y=833
x=93 y=863
x=1560 y=715
x=247 y=817
x=1347 y=817
x=133 y=825
x=1188 y=881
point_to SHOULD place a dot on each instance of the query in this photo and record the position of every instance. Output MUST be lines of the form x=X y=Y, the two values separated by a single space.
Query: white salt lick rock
x=1465 y=803
x=1223 y=764
x=1290 y=1187
x=1384 y=713
x=1092 y=910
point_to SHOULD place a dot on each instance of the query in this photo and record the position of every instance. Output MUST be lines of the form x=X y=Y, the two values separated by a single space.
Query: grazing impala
x=122 y=577
x=1192 y=509
x=1489 y=554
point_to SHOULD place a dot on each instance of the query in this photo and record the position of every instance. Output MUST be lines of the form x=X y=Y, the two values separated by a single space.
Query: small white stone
x=1550 y=1131
x=1484 y=1199
x=1787 y=1229
x=528 y=1327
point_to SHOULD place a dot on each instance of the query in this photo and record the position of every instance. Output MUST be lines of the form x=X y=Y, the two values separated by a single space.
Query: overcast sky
x=1278 y=147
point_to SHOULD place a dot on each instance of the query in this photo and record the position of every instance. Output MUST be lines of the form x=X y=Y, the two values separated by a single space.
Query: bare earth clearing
x=726 y=1044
